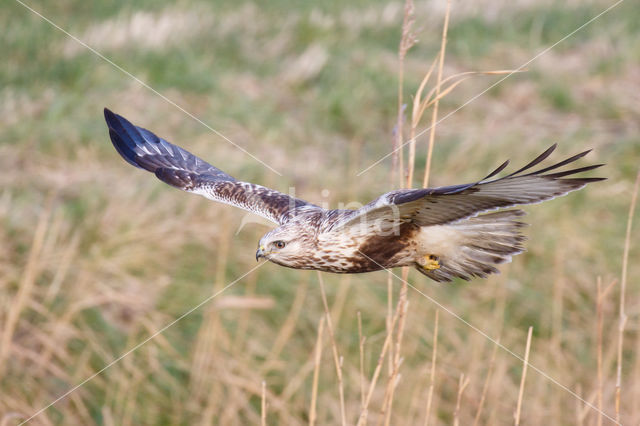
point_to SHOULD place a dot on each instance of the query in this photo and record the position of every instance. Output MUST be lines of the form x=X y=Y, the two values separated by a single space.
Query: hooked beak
x=260 y=253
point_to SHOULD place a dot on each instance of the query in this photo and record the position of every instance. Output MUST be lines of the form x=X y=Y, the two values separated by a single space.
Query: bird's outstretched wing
x=183 y=170
x=436 y=206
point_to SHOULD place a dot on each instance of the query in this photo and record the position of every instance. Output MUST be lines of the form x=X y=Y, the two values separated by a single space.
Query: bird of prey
x=445 y=233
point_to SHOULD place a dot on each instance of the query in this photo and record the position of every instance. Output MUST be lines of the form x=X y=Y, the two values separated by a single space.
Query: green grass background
x=309 y=88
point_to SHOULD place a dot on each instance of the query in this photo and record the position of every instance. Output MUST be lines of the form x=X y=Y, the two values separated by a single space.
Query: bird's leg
x=429 y=262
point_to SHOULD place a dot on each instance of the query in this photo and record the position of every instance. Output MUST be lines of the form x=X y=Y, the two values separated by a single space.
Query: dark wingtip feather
x=123 y=135
x=556 y=175
x=573 y=171
x=536 y=160
x=561 y=163
x=144 y=149
x=496 y=171
x=119 y=137
x=108 y=115
x=116 y=122
x=122 y=148
x=585 y=180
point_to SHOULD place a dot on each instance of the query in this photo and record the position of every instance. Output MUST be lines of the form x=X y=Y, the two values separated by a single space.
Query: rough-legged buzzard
x=443 y=232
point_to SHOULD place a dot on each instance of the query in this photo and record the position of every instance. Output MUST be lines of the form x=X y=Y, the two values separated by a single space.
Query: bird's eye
x=279 y=244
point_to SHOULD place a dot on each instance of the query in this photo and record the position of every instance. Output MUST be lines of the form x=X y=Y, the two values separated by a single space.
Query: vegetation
x=96 y=258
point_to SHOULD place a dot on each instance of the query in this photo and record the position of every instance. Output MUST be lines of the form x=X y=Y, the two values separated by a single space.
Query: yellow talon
x=431 y=262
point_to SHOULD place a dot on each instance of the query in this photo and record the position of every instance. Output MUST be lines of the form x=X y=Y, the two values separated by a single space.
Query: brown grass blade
x=316 y=373
x=601 y=296
x=487 y=380
x=27 y=282
x=263 y=405
x=623 y=288
x=463 y=382
x=432 y=375
x=361 y=341
x=376 y=373
x=334 y=347
x=524 y=376
x=434 y=115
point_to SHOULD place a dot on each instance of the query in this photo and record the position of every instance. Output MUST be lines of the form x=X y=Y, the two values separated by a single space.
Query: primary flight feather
x=444 y=232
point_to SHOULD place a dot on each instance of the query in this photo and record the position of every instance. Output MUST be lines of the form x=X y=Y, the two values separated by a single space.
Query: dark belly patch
x=377 y=251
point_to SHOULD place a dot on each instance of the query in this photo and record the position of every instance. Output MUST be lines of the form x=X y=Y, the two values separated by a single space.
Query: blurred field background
x=96 y=256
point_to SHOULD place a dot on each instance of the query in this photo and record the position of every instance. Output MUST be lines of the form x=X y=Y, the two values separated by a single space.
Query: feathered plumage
x=444 y=232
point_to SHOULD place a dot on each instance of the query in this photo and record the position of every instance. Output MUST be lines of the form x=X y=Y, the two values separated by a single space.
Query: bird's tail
x=471 y=247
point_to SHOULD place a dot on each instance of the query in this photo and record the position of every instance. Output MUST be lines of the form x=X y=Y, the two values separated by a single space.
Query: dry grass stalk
x=407 y=40
x=244 y=320
x=434 y=114
x=524 y=376
x=336 y=357
x=403 y=305
x=394 y=377
x=579 y=404
x=601 y=295
x=203 y=386
x=416 y=116
x=81 y=411
x=432 y=374
x=263 y=404
x=223 y=254
x=289 y=325
x=559 y=282
x=599 y=316
x=463 y=382
x=249 y=385
x=376 y=373
x=63 y=268
x=432 y=99
x=361 y=341
x=487 y=380
x=389 y=319
x=205 y=390
x=26 y=283
x=623 y=288
x=635 y=396
x=316 y=373
x=342 y=296
x=298 y=380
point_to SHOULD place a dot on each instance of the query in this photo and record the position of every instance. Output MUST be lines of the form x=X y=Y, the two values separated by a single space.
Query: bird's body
x=348 y=251
x=355 y=250
x=444 y=232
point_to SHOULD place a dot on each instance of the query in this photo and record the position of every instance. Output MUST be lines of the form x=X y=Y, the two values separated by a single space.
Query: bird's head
x=288 y=245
